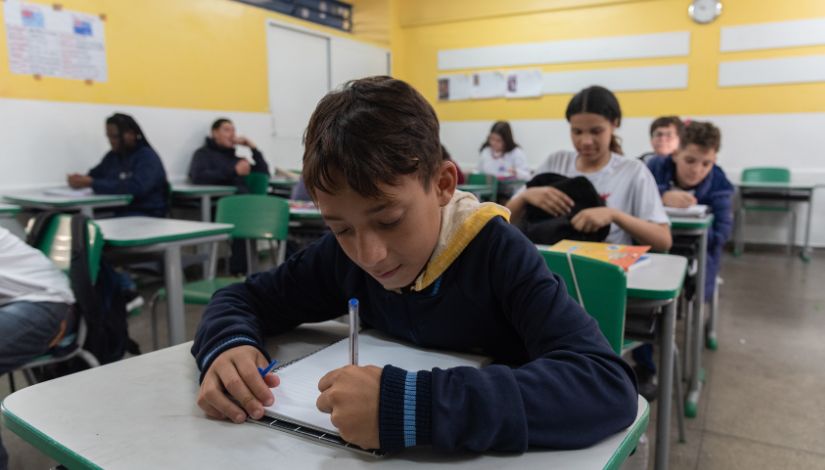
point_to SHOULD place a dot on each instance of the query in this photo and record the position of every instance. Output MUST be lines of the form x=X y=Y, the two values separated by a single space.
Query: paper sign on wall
x=54 y=43
x=488 y=85
x=453 y=87
x=524 y=83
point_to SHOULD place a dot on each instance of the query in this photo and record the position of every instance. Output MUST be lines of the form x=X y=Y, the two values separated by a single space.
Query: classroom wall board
x=749 y=37
x=660 y=77
x=785 y=70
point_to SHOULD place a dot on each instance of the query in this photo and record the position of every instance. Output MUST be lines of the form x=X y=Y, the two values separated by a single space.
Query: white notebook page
x=296 y=395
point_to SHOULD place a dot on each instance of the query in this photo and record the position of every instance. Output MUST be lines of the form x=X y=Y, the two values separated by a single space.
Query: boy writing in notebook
x=429 y=265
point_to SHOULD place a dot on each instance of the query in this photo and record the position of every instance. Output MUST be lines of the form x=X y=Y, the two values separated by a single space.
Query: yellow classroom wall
x=420 y=28
x=193 y=54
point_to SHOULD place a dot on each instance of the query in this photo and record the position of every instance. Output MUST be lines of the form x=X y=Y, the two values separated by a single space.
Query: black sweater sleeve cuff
x=404 y=410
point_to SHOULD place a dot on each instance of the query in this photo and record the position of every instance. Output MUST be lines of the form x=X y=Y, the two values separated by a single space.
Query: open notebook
x=294 y=409
x=698 y=210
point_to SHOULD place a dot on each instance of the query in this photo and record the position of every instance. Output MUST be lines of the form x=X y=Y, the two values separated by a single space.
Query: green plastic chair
x=255 y=217
x=764 y=175
x=257 y=183
x=601 y=289
x=56 y=244
x=489 y=180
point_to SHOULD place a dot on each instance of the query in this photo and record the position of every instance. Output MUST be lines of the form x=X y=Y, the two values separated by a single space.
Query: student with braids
x=131 y=167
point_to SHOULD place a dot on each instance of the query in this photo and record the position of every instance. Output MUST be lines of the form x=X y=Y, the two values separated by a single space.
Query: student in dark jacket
x=131 y=167
x=691 y=176
x=216 y=162
x=430 y=265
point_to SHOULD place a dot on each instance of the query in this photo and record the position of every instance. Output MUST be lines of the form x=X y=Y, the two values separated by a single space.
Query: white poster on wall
x=488 y=85
x=53 y=42
x=453 y=87
x=524 y=83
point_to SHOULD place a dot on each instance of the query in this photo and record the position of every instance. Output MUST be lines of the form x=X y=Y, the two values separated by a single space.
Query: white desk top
x=800 y=181
x=38 y=198
x=141 y=413
x=661 y=279
x=135 y=231
x=188 y=189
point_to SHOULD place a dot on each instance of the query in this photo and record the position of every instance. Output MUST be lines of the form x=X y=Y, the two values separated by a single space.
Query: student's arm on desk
x=573 y=392
x=228 y=344
x=205 y=169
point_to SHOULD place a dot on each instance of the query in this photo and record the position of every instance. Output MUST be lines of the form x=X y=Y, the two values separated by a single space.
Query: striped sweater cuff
x=205 y=360
x=404 y=409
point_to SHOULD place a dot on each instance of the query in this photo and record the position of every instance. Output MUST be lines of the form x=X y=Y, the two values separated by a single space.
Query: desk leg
x=206 y=216
x=739 y=225
x=697 y=335
x=806 y=248
x=174 y=295
x=667 y=323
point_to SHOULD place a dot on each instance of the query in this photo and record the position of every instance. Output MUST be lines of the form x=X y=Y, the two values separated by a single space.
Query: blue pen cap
x=353 y=302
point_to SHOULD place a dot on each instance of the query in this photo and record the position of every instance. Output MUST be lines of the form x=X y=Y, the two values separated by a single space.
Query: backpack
x=546 y=229
x=101 y=304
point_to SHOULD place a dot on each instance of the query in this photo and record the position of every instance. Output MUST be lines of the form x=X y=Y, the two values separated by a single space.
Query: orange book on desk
x=624 y=256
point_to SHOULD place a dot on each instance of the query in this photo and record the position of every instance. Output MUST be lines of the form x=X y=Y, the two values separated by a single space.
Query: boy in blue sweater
x=690 y=177
x=432 y=266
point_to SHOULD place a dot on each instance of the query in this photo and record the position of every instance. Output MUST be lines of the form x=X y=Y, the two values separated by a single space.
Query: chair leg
x=680 y=399
x=153 y=319
x=29 y=376
x=89 y=358
x=11 y=382
x=273 y=257
x=281 y=251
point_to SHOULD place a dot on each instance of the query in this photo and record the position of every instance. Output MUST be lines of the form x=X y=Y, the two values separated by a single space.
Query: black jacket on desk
x=212 y=164
x=139 y=173
x=555 y=382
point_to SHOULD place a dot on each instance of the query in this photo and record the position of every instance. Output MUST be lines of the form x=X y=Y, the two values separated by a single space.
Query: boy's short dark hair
x=373 y=130
x=701 y=134
x=667 y=121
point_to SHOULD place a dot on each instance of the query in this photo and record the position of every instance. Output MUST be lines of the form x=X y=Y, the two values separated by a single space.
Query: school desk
x=141 y=413
x=695 y=329
x=150 y=234
x=38 y=199
x=282 y=186
x=203 y=192
x=801 y=188
x=650 y=286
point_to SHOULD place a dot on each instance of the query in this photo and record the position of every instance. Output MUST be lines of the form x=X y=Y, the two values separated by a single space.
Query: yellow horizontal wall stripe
x=415 y=50
x=194 y=54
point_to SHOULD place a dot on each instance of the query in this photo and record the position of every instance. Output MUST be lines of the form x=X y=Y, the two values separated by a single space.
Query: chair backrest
x=483 y=178
x=255 y=216
x=603 y=290
x=766 y=175
x=257 y=183
x=56 y=244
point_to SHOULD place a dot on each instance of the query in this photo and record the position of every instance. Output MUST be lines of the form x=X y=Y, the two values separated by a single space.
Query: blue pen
x=267 y=369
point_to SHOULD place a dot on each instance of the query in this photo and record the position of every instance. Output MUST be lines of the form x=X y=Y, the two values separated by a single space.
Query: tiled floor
x=763 y=405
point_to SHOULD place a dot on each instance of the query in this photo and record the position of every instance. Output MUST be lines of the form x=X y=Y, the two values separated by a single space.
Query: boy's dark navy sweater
x=716 y=192
x=212 y=164
x=139 y=173
x=555 y=382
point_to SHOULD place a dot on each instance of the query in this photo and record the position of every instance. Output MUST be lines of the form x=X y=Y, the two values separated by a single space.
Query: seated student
x=501 y=155
x=432 y=266
x=216 y=162
x=131 y=167
x=664 y=137
x=35 y=299
x=632 y=208
x=691 y=177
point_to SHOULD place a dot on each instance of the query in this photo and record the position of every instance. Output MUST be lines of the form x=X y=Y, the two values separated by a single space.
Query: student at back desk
x=432 y=266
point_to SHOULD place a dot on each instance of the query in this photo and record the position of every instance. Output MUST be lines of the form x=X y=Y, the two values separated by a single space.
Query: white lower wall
x=791 y=140
x=45 y=140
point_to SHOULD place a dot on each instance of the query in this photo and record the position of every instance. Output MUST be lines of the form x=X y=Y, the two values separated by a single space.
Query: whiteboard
x=299 y=76
x=352 y=60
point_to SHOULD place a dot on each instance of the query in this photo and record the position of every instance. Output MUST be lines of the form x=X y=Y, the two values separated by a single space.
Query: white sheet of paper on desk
x=295 y=397
x=693 y=211
x=69 y=192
